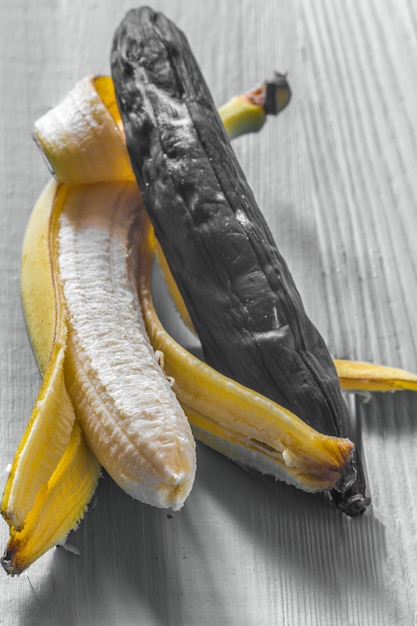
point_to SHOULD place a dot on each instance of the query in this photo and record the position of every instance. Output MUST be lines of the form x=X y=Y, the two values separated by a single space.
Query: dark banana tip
x=351 y=505
x=277 y=94
x=8 y=564
x=351 y=499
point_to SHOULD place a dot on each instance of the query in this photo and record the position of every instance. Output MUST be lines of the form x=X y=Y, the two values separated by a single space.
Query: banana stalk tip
x=277 y=94
x=352 y=506
x=272 y=96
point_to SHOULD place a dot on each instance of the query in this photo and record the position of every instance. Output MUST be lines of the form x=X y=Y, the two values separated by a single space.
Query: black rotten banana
x=236 y=286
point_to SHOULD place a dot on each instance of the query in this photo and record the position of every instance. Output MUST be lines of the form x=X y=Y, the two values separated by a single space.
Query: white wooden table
x=336 y=177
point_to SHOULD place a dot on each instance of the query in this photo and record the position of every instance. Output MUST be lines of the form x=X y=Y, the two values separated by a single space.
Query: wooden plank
x=335 y=175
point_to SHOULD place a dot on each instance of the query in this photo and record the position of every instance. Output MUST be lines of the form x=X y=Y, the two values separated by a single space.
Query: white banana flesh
x=131 y=417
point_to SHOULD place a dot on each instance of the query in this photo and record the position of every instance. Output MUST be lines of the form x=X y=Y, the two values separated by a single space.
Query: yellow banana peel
x=248 y=428
x=58 y=507
x=53 y=439
x=84 y=144
x=54 y=473
x=255 y=430
x=235 y=420
x=363 y=376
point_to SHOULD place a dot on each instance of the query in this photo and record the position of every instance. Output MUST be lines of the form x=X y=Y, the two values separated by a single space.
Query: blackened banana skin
x=241 y=297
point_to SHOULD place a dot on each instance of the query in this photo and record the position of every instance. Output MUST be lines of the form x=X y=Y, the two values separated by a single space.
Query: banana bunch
x=118 y=391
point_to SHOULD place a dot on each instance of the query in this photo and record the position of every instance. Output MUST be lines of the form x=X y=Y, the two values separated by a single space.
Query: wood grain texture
x=335 y=175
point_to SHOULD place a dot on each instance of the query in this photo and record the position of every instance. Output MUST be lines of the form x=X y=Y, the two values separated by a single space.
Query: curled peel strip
x=39 y=502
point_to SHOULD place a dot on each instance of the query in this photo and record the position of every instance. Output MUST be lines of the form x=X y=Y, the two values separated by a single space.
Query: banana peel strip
x=58 y=507
x=54 y=474
x=233 y=419
x=82 y=138
x=48 y=431
x=363 y=376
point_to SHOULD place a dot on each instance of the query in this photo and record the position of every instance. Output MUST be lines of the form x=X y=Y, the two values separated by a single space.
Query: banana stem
x=247 y=112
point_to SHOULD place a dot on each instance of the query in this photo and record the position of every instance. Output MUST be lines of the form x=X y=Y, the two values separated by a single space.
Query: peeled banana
x=130 y=415
x=132 y=419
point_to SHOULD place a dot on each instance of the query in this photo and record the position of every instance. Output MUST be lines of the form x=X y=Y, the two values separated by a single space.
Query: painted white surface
x=336 y=177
